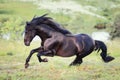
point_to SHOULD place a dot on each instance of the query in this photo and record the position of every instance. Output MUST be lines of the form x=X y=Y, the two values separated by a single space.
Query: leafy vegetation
x=13 y=18
x=116 y=29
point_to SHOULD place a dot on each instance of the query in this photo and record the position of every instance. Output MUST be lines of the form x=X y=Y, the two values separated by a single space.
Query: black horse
x=59 y=44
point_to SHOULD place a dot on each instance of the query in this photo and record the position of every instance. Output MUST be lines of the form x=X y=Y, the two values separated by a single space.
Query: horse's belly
x=62 y=54
x=65 y=54
x=67 y=51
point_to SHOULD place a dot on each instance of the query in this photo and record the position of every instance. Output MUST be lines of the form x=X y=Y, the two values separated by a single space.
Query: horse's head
x=30 y=28
x=30 y=33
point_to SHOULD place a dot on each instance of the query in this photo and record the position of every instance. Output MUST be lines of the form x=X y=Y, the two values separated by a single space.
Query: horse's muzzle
x=27 y=43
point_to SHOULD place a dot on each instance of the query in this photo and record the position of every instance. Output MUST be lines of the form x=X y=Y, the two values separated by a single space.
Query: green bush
x=13 y=26
x=116 y=27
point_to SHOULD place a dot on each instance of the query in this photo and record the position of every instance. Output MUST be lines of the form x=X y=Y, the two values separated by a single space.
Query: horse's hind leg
x=77 y=61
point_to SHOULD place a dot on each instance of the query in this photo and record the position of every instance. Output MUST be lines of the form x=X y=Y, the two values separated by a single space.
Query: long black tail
x=101 y=46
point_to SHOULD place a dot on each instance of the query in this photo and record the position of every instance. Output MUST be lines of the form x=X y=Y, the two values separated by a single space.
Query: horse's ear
x=44 y=15
x=34 y=16
x=27 y=23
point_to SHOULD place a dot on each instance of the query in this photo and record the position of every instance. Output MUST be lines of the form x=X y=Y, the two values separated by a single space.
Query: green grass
x=92 y=68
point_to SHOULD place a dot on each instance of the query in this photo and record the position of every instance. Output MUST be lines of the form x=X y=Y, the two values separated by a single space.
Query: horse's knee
x=38 y=55
x=32 y=51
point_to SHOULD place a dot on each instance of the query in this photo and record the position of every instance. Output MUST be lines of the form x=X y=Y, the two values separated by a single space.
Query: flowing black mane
x=50 y=22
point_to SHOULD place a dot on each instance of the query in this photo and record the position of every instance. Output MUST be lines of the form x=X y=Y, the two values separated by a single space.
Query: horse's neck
x=42 y=35
x=45 y=32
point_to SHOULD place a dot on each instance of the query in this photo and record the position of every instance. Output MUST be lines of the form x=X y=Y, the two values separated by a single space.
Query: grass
x=12 y=65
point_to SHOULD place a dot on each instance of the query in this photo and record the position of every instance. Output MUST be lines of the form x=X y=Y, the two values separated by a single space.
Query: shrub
x=116 y=27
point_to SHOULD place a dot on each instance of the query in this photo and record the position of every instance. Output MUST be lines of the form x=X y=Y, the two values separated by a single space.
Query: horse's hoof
x=26 y=65
x=109 y=58
x=71 y=64
x=45 y=60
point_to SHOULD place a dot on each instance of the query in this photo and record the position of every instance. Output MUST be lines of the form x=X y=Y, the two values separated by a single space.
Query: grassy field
x=13 y=55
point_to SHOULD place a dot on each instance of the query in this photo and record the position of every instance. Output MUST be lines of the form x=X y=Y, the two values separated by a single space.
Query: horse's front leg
x=40 y=59
x=45 y=53
x=30 y=55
